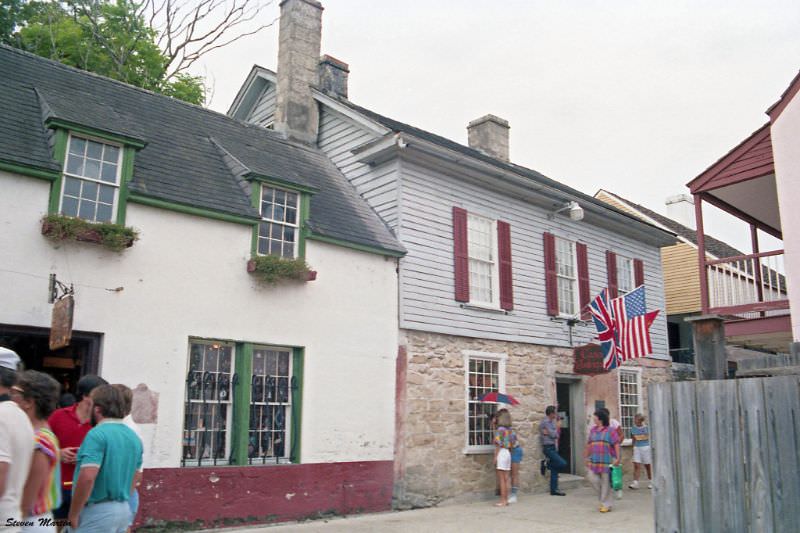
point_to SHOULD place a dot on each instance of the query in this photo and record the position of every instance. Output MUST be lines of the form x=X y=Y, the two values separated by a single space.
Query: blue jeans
x=557 y=464
x=133 y=503
x=104 y=517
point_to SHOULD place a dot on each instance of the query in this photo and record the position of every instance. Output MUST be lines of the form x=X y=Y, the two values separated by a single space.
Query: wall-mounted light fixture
x=575 y=211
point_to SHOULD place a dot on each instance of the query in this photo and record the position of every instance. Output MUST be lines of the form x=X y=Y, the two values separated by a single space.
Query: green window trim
x=56 y=123
x=282 y=184
x=257 y=183
x=240 y=424
x=60 y=154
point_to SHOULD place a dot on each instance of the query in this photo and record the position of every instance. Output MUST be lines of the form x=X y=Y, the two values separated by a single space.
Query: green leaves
x=110 y=38
x=272 y=269
x=115 y=237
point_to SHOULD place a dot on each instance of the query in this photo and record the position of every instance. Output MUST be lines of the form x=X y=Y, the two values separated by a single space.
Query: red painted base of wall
x=230 y=496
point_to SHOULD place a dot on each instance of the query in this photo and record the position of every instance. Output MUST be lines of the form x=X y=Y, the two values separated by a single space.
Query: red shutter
x=611 y=268
x=583 y=279
x=550 y=279
x=460 y=254
x=638 y=272
x=504 y=257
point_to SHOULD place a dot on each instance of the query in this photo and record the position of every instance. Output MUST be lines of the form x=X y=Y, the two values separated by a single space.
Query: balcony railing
x=748 y=286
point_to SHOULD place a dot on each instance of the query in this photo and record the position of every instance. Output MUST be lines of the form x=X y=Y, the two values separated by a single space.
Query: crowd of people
x=71 y=469
x=601 y=454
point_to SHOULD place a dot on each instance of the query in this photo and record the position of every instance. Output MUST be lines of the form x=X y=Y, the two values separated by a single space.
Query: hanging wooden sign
x=61 y=326
x=589 y=360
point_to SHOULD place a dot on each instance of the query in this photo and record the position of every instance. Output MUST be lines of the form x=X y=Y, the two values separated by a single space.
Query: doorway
x=569 y=399
x=66 y=365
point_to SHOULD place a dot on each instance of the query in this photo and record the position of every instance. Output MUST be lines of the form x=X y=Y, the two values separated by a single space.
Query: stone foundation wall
x=431 y=437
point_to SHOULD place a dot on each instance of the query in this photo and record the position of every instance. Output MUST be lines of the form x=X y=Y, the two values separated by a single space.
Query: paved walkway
x=575 y=513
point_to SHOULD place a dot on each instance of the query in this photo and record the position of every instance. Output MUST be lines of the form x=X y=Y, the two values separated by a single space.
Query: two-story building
x=256 y=401
x=502 y=262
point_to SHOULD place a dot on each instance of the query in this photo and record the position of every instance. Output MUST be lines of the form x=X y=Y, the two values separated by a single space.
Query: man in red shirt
x=70 y=425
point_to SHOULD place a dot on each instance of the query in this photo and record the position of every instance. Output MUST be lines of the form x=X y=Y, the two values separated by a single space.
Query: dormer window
x=279 y=230
x=90 y=186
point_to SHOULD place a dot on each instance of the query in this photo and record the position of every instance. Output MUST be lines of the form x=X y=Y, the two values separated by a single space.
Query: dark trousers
x=66 y=500
x=557 y=464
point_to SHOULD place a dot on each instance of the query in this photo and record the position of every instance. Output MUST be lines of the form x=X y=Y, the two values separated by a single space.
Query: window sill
x=484 y=307
x=478 y=450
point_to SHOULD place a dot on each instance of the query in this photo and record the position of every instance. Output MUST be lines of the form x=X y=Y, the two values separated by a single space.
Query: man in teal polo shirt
x=106 y=465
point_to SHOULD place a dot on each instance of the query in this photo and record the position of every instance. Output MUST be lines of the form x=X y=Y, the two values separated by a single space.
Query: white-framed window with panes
x=630 y=398
x=91 y=180
x=271 y=386
x=485 y=372
x=567 y=277
x=625 y=275
x=208 y=403
x=484 y=281
x=279 y=229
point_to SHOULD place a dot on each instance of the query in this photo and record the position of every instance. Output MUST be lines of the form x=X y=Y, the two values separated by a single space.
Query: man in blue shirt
x=107 y=462
x=549 y=430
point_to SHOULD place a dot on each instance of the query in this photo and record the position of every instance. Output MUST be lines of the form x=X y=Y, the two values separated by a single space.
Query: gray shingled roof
x=715 y=247
x=397 y=126
x=181 y=161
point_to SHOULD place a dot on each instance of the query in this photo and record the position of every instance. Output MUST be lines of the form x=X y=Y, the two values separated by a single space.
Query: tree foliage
x=147 y=43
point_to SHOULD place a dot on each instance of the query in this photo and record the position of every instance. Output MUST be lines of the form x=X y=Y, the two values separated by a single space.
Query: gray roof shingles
x=180 y=162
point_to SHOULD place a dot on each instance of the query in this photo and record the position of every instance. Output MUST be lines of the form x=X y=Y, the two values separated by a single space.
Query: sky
x=636 y=97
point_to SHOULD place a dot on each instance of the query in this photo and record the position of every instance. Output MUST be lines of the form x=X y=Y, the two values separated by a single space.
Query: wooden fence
x=726 y=455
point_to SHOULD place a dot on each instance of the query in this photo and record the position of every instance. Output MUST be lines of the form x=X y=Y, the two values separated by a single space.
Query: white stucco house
x=251 y=396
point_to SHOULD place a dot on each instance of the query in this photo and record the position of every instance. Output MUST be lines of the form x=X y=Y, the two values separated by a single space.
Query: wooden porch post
x=701 y=253
x=757 y=264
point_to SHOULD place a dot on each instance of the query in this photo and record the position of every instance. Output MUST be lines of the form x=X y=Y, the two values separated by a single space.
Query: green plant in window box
x=273 y=269
x=115 y=237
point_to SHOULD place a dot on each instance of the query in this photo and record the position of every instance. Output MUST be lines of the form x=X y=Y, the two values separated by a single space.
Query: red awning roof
x=752 y=158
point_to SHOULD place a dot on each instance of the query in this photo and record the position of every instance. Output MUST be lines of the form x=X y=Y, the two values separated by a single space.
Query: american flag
x=632 y=323
x=606 y=331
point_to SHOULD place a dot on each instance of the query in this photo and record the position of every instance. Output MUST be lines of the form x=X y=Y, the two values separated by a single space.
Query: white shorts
x=641 y=455
x=504 y=459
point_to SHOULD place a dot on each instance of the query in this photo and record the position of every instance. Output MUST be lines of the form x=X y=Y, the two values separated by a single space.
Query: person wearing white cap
x=16 y=445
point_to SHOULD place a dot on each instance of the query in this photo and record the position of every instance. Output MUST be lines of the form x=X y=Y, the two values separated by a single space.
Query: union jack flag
x=632 y=323
x=606 y=329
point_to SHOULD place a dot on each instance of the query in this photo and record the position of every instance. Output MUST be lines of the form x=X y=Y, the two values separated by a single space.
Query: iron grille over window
x=270 y=405
x=207 y=410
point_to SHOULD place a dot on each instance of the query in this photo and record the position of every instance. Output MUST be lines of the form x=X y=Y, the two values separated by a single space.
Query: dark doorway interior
x=565 y=411
x=67 y=365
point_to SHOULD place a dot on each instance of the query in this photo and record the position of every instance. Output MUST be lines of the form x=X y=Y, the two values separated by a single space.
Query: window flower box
x=115 y=237
x=273 y=269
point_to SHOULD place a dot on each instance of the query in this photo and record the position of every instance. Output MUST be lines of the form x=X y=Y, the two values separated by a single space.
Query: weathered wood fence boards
x=726 y=455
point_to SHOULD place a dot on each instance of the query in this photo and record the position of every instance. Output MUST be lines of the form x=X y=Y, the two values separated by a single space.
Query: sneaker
x=649 y=485
x=634 y=485
x=604 y=509
x=512 y=498
x=543 y=466
x=618 y=494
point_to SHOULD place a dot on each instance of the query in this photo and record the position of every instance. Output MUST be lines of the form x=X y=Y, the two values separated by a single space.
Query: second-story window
x=482 y=247
x=91 y=180
x=567 y=275
x=278 y=232
x=625 y=276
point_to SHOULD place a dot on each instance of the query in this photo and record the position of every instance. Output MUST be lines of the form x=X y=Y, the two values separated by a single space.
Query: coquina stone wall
x=431 y=441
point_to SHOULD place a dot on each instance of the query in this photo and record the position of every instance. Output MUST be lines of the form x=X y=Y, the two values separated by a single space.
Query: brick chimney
x=333 y=76
x=680 y=208
x=489 y=134
x=296 y=112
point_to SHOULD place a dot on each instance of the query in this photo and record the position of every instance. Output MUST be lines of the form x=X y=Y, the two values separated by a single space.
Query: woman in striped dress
x=37 y=395
x=602 y=450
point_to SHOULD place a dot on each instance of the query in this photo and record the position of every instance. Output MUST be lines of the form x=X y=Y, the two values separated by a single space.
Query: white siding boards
x=264 y=111
x=417 y=201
